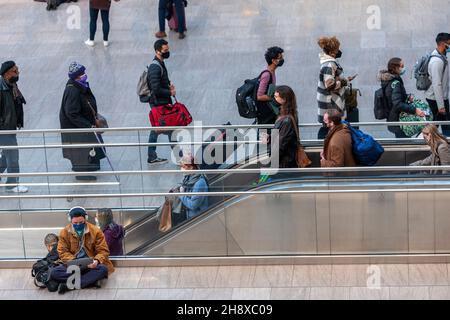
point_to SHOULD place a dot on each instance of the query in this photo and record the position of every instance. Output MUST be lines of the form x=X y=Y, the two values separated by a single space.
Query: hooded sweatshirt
x=330 y=89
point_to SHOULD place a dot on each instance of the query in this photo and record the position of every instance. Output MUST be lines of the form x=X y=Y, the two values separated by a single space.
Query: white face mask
x=96 y=222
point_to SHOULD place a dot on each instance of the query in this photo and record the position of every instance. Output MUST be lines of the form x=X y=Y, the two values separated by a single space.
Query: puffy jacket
x=95 y=245
x=396 y=96
x=159 y=83
x=11 y=114
x=114 y=235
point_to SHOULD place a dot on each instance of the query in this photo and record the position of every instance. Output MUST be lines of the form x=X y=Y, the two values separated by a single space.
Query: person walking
x=78 y=111
x=438 y=93
x=11 y=118
x=162 y=92
x=332 y=84
x=397 y=98
x=165 y=8
x=267 y=110
x=96 y=7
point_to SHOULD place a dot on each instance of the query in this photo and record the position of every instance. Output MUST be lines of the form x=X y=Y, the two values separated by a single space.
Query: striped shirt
x=330 y=93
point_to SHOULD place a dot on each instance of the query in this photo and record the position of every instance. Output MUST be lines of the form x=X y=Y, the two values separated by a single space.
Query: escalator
x=140 y=238
x=363 y=221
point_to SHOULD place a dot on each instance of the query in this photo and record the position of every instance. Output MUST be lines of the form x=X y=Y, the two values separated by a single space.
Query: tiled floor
x=313 y=282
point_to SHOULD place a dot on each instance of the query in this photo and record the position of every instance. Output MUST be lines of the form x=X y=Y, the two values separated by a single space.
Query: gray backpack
x=143 y=89
x=423 y=81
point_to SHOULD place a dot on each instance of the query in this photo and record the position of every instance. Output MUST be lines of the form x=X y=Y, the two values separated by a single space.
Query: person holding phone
x=332 y=83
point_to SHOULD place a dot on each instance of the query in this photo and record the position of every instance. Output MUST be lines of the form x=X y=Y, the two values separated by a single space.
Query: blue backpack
x=366 y=150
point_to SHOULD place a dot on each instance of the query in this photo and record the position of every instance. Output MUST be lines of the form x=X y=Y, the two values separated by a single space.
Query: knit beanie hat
x=76 y=70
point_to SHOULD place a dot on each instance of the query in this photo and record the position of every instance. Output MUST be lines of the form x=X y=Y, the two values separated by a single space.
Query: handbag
x=351 y=98
x=100 y=121
x=165 y=216
x=300 y=156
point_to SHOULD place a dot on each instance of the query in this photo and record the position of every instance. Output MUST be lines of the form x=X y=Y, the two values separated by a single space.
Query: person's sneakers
x=18 y=189
x=86 y=178
x=161 y=34
x=62 y=288
x=89 y=43
x=182 y=35
x=157 y=161
x=97 y=284
x=106 y=43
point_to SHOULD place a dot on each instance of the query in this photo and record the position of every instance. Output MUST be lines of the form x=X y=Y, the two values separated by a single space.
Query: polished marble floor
x=319 y=282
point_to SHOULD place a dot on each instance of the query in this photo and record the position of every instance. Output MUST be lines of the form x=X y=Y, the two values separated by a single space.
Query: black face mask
x=339 y=54
x=165 y=55
x=13 y=79
x=280 y=64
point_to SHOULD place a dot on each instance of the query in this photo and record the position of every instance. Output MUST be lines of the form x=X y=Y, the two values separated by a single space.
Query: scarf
x=190 y=180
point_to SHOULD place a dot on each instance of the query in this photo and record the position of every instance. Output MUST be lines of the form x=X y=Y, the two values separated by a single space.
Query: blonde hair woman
x=440 y=148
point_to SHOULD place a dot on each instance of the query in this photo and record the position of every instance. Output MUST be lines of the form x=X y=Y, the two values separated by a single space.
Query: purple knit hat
x=76 y=70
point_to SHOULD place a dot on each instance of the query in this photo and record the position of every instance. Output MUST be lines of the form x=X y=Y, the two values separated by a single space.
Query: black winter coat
x=159 y=84
x=396 y=96
x=11 y=112
x=76 y=113
x=288 y=142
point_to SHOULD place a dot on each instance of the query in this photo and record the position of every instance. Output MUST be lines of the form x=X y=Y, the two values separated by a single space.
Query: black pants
x=440 y=117
x=93 y=24
x=162 y=11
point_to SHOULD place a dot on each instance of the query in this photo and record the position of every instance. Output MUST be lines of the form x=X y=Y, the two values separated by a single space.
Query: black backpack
x=41 y=272
x=381 y=104
x=246 y=97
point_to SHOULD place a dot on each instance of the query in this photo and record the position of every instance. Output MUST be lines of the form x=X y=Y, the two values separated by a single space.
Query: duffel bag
x=170 y=115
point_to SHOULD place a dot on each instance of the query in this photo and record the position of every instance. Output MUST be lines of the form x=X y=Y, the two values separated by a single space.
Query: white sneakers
x=18 y=189
x=91 y=43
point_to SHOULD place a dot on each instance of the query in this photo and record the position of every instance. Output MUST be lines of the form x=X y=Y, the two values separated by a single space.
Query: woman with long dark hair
x=287 y=126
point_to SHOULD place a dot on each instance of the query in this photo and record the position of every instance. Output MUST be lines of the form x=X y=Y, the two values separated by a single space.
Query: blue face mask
x=79 y=228
x=402 y=71
x=448 y=49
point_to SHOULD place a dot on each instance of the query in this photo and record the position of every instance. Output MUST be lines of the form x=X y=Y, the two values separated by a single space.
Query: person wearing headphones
x=80 y=240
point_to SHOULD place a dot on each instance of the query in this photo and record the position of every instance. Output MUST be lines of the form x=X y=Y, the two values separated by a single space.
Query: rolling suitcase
x=173 y=22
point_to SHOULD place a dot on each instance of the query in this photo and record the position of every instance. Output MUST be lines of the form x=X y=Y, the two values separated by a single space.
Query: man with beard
x=11 y=118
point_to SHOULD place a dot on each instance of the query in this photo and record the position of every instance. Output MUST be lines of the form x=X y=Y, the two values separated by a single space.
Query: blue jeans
x=88 y=277
x=9 y=158
x=162 y=11
x=93 y=24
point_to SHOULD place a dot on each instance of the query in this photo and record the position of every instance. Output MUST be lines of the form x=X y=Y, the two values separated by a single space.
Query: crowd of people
x=89 y=246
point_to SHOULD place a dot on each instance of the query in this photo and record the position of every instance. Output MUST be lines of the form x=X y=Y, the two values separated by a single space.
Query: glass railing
x=288 y=212
x=133 y=189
